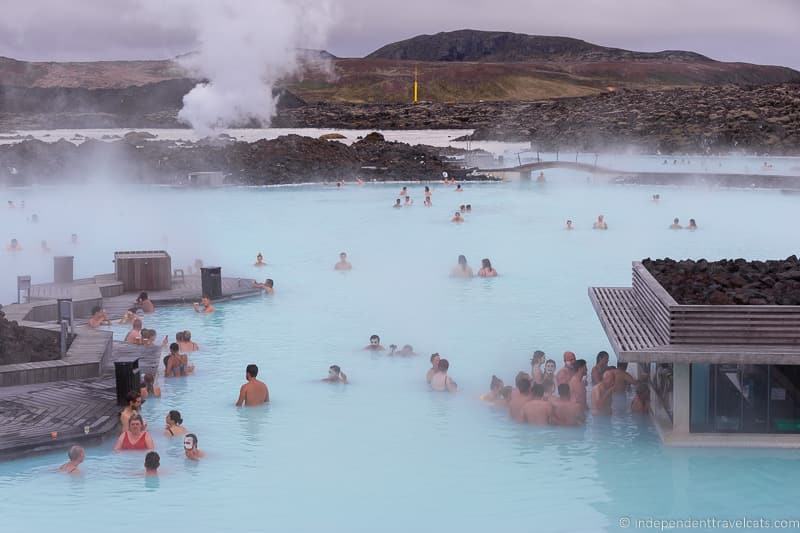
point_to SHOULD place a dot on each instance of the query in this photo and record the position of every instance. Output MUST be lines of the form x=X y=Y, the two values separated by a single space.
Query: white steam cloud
x=245 y=47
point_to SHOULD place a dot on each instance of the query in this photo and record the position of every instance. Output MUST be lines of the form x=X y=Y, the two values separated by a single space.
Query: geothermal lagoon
x=384 y=453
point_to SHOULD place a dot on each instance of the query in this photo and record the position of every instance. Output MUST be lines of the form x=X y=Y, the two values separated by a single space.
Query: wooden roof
x=634 y=338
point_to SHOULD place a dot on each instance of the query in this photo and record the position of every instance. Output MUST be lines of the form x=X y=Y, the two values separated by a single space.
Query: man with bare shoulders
x=568 y=370
x=622 y=379
x=254 y=392
x=204 y=306
x=600 y=365
x=343 y=263
x=601 y=394
x=538 y=411
x=134 y=336
x=577 y=385
x=518 y=401
x=565 y=411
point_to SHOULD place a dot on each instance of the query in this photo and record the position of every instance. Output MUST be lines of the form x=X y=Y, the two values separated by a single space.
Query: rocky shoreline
x=762 y=119
x=288 y=159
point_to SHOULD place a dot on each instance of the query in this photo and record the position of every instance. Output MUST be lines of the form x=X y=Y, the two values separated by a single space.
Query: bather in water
x=462 y=269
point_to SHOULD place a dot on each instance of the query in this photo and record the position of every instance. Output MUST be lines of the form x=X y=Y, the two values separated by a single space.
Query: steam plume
x=245 y=48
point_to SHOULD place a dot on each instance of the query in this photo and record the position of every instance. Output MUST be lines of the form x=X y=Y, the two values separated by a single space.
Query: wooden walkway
x=30 y=414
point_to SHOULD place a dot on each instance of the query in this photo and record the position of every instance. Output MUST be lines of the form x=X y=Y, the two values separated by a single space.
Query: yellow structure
x=416 y=86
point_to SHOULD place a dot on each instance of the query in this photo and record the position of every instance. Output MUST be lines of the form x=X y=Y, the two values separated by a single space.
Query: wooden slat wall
x=714 y=324
x=654 y=302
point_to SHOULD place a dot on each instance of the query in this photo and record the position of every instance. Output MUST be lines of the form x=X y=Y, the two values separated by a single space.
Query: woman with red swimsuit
x=135 y=438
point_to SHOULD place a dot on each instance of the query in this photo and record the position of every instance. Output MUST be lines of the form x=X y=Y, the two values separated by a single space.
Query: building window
x=730 y=398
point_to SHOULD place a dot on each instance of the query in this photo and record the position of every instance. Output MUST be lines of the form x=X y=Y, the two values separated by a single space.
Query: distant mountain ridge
x=502 y=47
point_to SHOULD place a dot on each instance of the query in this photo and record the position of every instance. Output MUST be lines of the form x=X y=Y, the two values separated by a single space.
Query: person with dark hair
x=136 y=437
x=151 y=463
x=149 y=386
x=268 y=286
x=374 y=344
x=441 y=382
x=522 y=396
x=577 y=384
x=457 y=218
x=403 y=192
x=458 y=187
x=462 y=208
x=254 y=392
x=569 y=225
x=397 y=204
x=487 y=271
x=190 y=447
x=622 y=379
x=537 y=411
x=173 y=424
x=601 y=363
x=76 y=455
x=259 y=261
x=469 y=208
x=134 y=406
x=14 y=246
x=495 y=386
x=204 y=306
x=176 y=363
x=129 y=316
x=641 y=402
x=134 y=336
x=462 y=269
x=565 y=411
x=98 y=318
x=600 y=223
x=144 y=302
x=343 y=263
x=434 y=367
x=409 y=202
x=335 y=375
x=692 y=225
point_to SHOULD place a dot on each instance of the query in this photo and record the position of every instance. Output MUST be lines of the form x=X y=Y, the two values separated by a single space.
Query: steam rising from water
x=245 y=48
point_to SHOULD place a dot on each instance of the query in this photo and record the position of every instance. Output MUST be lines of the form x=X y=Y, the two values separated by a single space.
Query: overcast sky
x=757 y=31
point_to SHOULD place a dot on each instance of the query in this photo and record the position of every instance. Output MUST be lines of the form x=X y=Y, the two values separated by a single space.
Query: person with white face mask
x=190 y=447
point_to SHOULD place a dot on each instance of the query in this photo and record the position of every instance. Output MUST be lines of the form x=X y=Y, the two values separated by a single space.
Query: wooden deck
x=30 y=414
x=30 y=409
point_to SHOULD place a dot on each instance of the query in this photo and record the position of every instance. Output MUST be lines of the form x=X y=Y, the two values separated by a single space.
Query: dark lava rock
x=728 y=281
x=26 y=345
x=287 y=159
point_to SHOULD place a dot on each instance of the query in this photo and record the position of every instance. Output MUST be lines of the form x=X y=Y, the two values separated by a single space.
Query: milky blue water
x=384 y=453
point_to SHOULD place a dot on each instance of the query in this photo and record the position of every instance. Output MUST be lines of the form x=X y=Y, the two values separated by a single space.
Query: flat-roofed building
x=719 y=375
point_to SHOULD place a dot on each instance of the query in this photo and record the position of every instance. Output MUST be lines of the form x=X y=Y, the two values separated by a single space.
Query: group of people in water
x=561 y=398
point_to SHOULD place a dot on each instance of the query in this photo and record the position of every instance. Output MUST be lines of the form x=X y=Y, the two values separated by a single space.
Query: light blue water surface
x=384 y=453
